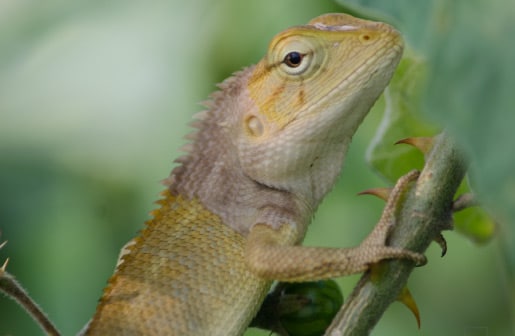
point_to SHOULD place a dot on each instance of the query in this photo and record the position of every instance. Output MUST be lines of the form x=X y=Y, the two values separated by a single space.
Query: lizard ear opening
x=254 y=126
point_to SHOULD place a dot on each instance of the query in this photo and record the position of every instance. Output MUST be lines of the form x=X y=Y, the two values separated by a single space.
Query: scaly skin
x=266 y=151
x=185 y=278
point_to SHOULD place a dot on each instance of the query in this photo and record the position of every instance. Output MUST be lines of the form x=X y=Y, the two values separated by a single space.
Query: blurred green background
x=95 y=98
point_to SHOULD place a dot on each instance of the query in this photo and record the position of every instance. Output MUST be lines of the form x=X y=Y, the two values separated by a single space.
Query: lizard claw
x=440 y=240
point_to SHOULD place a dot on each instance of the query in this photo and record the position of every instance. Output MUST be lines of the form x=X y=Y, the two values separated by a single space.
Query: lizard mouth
x=380 y=60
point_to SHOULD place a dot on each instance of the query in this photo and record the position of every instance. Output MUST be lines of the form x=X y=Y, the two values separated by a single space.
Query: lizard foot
x=380 y=233
x=376 y=240
x=375 y=253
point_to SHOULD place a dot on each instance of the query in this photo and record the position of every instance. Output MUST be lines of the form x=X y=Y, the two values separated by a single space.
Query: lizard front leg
x=271 y=255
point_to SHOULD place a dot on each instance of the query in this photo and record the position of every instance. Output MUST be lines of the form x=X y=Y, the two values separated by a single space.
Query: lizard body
x=265 y=152
x=168 y=280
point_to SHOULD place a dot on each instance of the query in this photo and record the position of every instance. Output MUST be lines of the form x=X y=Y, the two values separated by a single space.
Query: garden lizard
x=267 y=149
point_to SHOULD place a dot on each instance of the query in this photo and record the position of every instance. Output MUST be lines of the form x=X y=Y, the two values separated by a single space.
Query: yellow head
x=311 y=91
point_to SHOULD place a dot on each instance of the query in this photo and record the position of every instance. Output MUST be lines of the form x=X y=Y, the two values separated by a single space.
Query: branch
x=11 y=287
x=426 y=211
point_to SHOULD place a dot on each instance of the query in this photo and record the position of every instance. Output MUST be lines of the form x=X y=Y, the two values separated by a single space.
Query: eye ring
x=293 y=59
x=296 y=63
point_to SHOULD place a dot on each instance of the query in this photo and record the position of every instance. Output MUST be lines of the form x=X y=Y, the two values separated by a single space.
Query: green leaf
x=401 y=119
x=470 y=85
x=474 y=222
x=300 y=309
x=307 y=308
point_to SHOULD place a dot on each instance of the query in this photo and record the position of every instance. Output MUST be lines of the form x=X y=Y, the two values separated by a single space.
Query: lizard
x=264 y=153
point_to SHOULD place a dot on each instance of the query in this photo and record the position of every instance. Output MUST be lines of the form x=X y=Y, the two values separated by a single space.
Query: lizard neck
x=211 y=170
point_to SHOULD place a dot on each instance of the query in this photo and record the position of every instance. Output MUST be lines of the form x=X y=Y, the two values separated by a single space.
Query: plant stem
x=426 y=211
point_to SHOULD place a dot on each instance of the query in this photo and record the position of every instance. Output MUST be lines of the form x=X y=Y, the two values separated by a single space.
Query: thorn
x=423 y=144
x=440 y=240
x=464 y=201
x=4 y=266
x=382 y=193
x=406 y=298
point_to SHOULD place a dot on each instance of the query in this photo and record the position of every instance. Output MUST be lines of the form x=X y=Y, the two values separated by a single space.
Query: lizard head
x=308 y=95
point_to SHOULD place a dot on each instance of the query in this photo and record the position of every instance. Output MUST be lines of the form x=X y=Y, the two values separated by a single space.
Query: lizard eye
x=296 y=62
x=293 y=59
x=296 y=57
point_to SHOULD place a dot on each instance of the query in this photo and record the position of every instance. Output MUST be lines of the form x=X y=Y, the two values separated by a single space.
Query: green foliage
x=463 y=79
x=476 y=224
x=469 y=85
x=319 y=303
x=299 y=309
x=401 y=120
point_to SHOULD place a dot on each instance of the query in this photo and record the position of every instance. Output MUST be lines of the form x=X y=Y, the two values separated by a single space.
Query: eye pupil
x=293 y=59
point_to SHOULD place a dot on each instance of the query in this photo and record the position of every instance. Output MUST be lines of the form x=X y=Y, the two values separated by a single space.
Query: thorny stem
x=14 y=290
x=425 y=212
